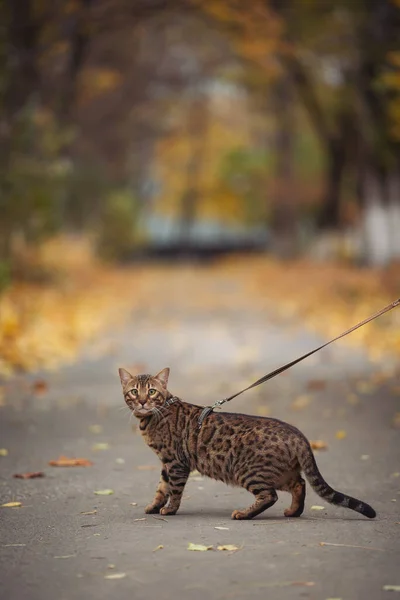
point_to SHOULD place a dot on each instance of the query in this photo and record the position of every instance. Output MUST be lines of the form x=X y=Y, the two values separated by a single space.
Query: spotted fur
x=260 y=454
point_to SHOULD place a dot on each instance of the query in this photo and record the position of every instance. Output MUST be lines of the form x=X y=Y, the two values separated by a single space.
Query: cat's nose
x=142 y=401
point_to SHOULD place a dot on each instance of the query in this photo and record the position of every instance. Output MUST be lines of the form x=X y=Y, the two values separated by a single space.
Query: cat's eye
x=152 y=391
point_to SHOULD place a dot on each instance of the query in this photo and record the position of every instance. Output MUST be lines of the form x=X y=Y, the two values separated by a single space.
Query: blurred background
x=132 y=129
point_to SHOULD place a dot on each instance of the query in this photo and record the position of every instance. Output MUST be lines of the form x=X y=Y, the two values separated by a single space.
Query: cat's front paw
x=239 y=515
x=168 y=511
x=152 y=509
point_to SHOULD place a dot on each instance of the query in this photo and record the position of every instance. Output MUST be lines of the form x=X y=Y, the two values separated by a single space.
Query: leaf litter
x=32 y=475
x=11 y=505
x=106 y=492
x=64 y=461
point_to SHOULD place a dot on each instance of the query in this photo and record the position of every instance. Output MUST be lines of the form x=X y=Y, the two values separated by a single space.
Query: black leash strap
x=209 y=409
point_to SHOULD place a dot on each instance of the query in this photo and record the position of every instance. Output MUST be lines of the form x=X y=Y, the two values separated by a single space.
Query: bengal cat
x=260 y=454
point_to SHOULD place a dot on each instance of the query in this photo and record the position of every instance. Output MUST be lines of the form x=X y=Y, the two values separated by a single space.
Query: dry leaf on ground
x=3 y=452
x=198 y=547
x=106 y=492
x=318 y=445
x=40 y=386
x=301 y=402
x=341 y=434
x=160 y=547
x=101 y=446
x=95 y=428
x=391 y=588
x=316 y=384
x=11 y=505
x=222 y=528
x=64 y=461
x=317 y=507
x=115 y=576
x=228 y=547
x=89 y=512
x=32 y=475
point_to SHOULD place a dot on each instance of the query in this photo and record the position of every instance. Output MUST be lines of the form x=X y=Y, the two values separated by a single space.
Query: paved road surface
x=50 y=550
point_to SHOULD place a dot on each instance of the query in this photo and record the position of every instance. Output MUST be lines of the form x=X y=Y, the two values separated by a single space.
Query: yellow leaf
x=198 y=547
x=115 y=576
x=301 y=402
x=95 y=428
x=317 y=507
x=101 y=446
x=160 y=547
x=11 y=505
x=341 y=434
x=105 y=492
x=3 y=452
x=228 y=547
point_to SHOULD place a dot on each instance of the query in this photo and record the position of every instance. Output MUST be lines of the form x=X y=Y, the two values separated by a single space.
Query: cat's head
x=145 y=394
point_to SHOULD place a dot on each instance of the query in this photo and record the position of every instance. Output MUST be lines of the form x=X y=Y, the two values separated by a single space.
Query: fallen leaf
x=95 y=428
x=316 y=384
x=351 y=546
x=65 y=556
x=32 y=475
x=63 y=461
x=340 y=434
x=396 y=420
x=198 y=547
x=115 y=576
x=301 y=402
x=3 y=452
x=147 y=467
x=391 y=588
x=40 y=386
x=353 y=399
x=365 y=387
x=263 y=411
x=222 y=528
x=105 y=492
x=101 y=446
x=133 y=503
x=142 y=519
x=317 y=507
x=228 y=547
x=160 y=547
x=89 y=512
x=11 y=505
x=318 y=445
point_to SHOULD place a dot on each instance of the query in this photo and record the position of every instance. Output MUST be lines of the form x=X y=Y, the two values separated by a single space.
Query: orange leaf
x=63 y=461
x=40 y=386
x=318 y=445
x=32 y=475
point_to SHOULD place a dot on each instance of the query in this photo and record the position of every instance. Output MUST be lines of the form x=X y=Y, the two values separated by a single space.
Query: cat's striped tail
x=318 y=483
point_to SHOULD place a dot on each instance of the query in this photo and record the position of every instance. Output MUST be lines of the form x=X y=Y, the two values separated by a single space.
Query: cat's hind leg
x=297 y=487
x=161 y=496
x=264 y=499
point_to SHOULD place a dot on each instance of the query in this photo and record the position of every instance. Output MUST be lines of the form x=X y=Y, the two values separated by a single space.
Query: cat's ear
x=162 y=377
x=124 y=376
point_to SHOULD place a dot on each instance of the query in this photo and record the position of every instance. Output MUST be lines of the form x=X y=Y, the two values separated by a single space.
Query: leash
x=209 y=409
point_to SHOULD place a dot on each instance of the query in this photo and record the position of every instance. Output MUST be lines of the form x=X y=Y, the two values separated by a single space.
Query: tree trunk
x=329 y=217
x=283 y=221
